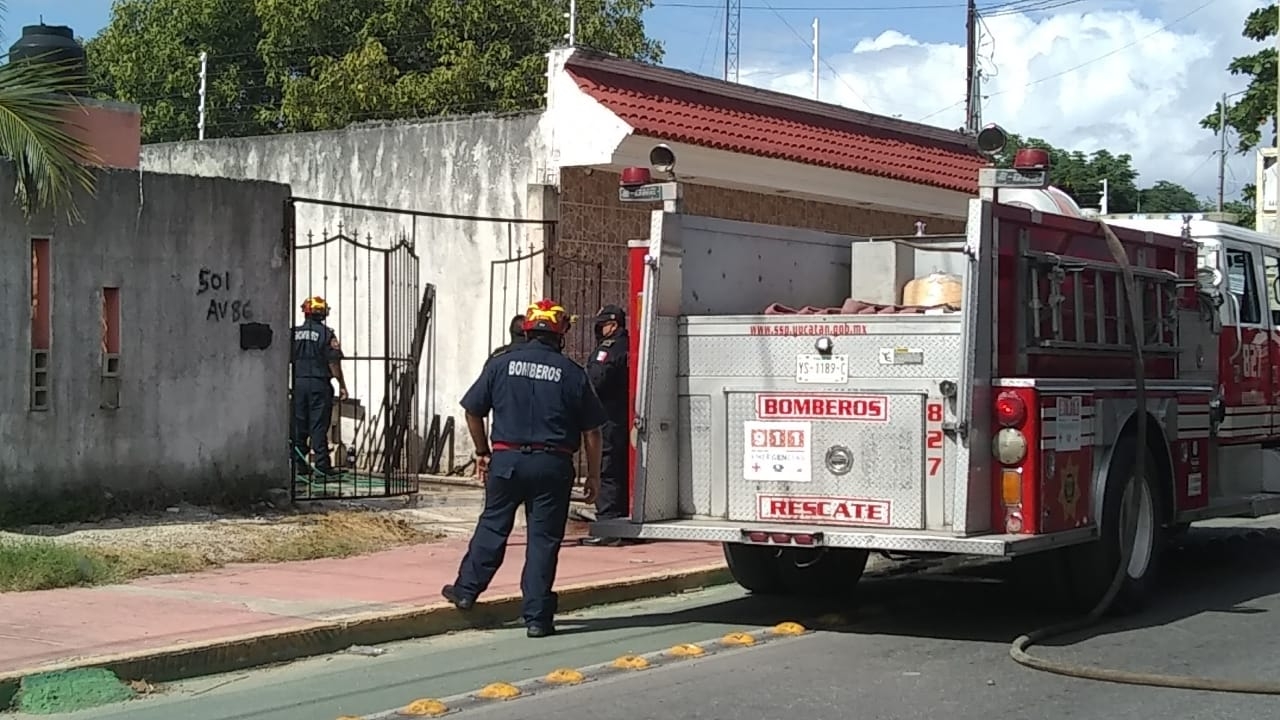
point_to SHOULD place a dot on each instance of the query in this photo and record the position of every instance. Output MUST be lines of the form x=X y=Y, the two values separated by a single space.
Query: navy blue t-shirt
x=537 y=396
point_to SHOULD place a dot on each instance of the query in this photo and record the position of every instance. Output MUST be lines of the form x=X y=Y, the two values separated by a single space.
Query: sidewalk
x=186 y=612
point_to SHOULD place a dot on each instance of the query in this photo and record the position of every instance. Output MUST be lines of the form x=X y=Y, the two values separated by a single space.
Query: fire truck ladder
x=1078 y=305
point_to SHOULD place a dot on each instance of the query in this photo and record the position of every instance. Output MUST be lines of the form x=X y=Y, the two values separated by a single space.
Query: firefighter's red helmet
x=315 y=305
x=546 y=316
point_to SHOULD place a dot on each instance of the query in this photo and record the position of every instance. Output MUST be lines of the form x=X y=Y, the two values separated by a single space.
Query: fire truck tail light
x=1010 y=410
x=1010 y=446
x=1013 y=522
x=1015 y=447
x=781 y=538
x=1010 y=486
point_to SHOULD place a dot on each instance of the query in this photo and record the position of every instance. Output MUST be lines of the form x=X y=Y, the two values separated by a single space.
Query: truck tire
x=831 y=572
x=1090 y=568
x=754 y=567
x=765 y=570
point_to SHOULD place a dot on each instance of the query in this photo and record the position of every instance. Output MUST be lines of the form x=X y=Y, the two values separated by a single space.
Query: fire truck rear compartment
x=759 y=447
x=854 y=397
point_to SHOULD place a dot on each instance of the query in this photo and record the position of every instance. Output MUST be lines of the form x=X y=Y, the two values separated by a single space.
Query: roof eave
x=950 y=139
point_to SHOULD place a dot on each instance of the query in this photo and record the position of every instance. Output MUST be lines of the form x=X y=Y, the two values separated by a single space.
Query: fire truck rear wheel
x=765 y=570
x=1091 y=568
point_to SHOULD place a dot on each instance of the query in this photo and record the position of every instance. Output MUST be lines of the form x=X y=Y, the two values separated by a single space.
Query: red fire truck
x=789 y=406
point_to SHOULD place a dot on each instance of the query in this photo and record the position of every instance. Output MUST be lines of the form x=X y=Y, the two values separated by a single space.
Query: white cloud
x=1115 y=79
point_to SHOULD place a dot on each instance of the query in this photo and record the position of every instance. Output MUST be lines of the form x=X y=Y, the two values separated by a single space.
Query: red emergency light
x=635 y=177
x=1031 y=159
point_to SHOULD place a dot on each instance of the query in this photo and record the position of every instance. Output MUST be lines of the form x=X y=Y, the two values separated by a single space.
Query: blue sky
x=1077 y=73
x=691 y=30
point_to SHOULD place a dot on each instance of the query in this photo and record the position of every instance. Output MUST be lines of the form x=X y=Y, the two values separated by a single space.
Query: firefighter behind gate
x=517 y=337
x=607 y=369
x=543 y=409
x=316 y=358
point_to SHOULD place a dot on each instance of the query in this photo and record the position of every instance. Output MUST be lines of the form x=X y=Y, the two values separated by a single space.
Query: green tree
x=1080 y=175
x=36 y=109
x=1258 y=103
x=1168 y=197
x=297 y=65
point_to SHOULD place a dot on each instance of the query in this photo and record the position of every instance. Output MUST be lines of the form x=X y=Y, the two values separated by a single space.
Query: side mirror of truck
x=1209 y=280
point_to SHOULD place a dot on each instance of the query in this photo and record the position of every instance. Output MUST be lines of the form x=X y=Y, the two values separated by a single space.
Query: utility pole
x=1222 y=150
x=572 y=15
x=816 y=58
x=204 y=83
x=1275 y=225
x=1105 y=197
x=971 y=67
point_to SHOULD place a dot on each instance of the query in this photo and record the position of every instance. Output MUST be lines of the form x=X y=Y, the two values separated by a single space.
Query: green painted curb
x=250 y=651
x=68 y=691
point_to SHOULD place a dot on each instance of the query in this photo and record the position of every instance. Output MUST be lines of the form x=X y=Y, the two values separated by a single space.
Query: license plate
x=822 y=369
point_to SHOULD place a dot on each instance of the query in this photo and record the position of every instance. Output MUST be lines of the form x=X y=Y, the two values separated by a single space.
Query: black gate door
x=579 y=286
x=364 y=262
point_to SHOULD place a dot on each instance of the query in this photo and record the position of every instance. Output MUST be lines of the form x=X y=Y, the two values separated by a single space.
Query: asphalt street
x=923 y=645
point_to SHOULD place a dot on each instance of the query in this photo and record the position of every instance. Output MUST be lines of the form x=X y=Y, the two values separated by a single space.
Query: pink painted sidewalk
x=54 y=626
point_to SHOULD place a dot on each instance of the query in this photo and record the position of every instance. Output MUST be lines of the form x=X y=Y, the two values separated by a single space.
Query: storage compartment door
x=851 y=459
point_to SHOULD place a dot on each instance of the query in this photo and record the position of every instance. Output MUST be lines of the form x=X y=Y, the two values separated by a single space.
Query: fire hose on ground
x=1018 y=650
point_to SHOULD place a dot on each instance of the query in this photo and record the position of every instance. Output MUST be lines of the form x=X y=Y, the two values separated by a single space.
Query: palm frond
x=37 y=117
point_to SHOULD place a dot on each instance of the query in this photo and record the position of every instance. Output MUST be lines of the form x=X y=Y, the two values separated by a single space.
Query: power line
x=808 y=44
x=1163 y=26
x=1002 y=7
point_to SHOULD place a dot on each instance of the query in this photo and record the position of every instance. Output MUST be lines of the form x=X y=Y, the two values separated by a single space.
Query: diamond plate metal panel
x=887 y=461
x=695 y=455
x=930 y=542
x=708 y=352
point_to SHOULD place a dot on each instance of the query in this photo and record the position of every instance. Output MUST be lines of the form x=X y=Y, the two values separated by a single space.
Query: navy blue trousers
x=615 y=487
x=542 y=483
x=312 y=413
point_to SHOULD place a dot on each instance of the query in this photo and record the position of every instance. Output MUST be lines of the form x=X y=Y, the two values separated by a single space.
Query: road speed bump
x=425 y=707
x=788 y=628
x=631 y=662
x=558 y=680
x=564 y=676
x=498 y=691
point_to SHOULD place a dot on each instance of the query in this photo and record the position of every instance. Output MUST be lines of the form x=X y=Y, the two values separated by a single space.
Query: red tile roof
x=681 y=107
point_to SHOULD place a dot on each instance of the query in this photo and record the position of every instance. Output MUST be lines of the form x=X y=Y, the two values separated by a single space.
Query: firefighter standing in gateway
x=607 y=369
x=517 y=337
x=543 y=409
x=317 y=357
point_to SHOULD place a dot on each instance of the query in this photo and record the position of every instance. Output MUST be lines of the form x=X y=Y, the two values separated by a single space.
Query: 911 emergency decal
x=824 y=510
x=777 y=451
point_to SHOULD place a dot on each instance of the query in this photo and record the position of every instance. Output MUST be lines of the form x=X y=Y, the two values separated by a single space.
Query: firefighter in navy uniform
x=316 y=359
x=543 y=409
x=607 y=370
x=517 y=337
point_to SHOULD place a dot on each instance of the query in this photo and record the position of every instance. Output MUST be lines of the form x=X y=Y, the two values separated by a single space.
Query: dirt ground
x=227 y=537
x=187 y=538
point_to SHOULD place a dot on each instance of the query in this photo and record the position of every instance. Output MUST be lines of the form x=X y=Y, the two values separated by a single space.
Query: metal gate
x=579 y=286
x=364 y=261
x=511 y=289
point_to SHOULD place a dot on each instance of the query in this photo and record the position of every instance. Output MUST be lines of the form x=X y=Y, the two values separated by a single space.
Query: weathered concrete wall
x=473 y=166
x=196 y=414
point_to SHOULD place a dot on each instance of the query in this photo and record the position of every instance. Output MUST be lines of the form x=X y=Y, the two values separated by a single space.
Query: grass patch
x=42 y=564
x=45 y=565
